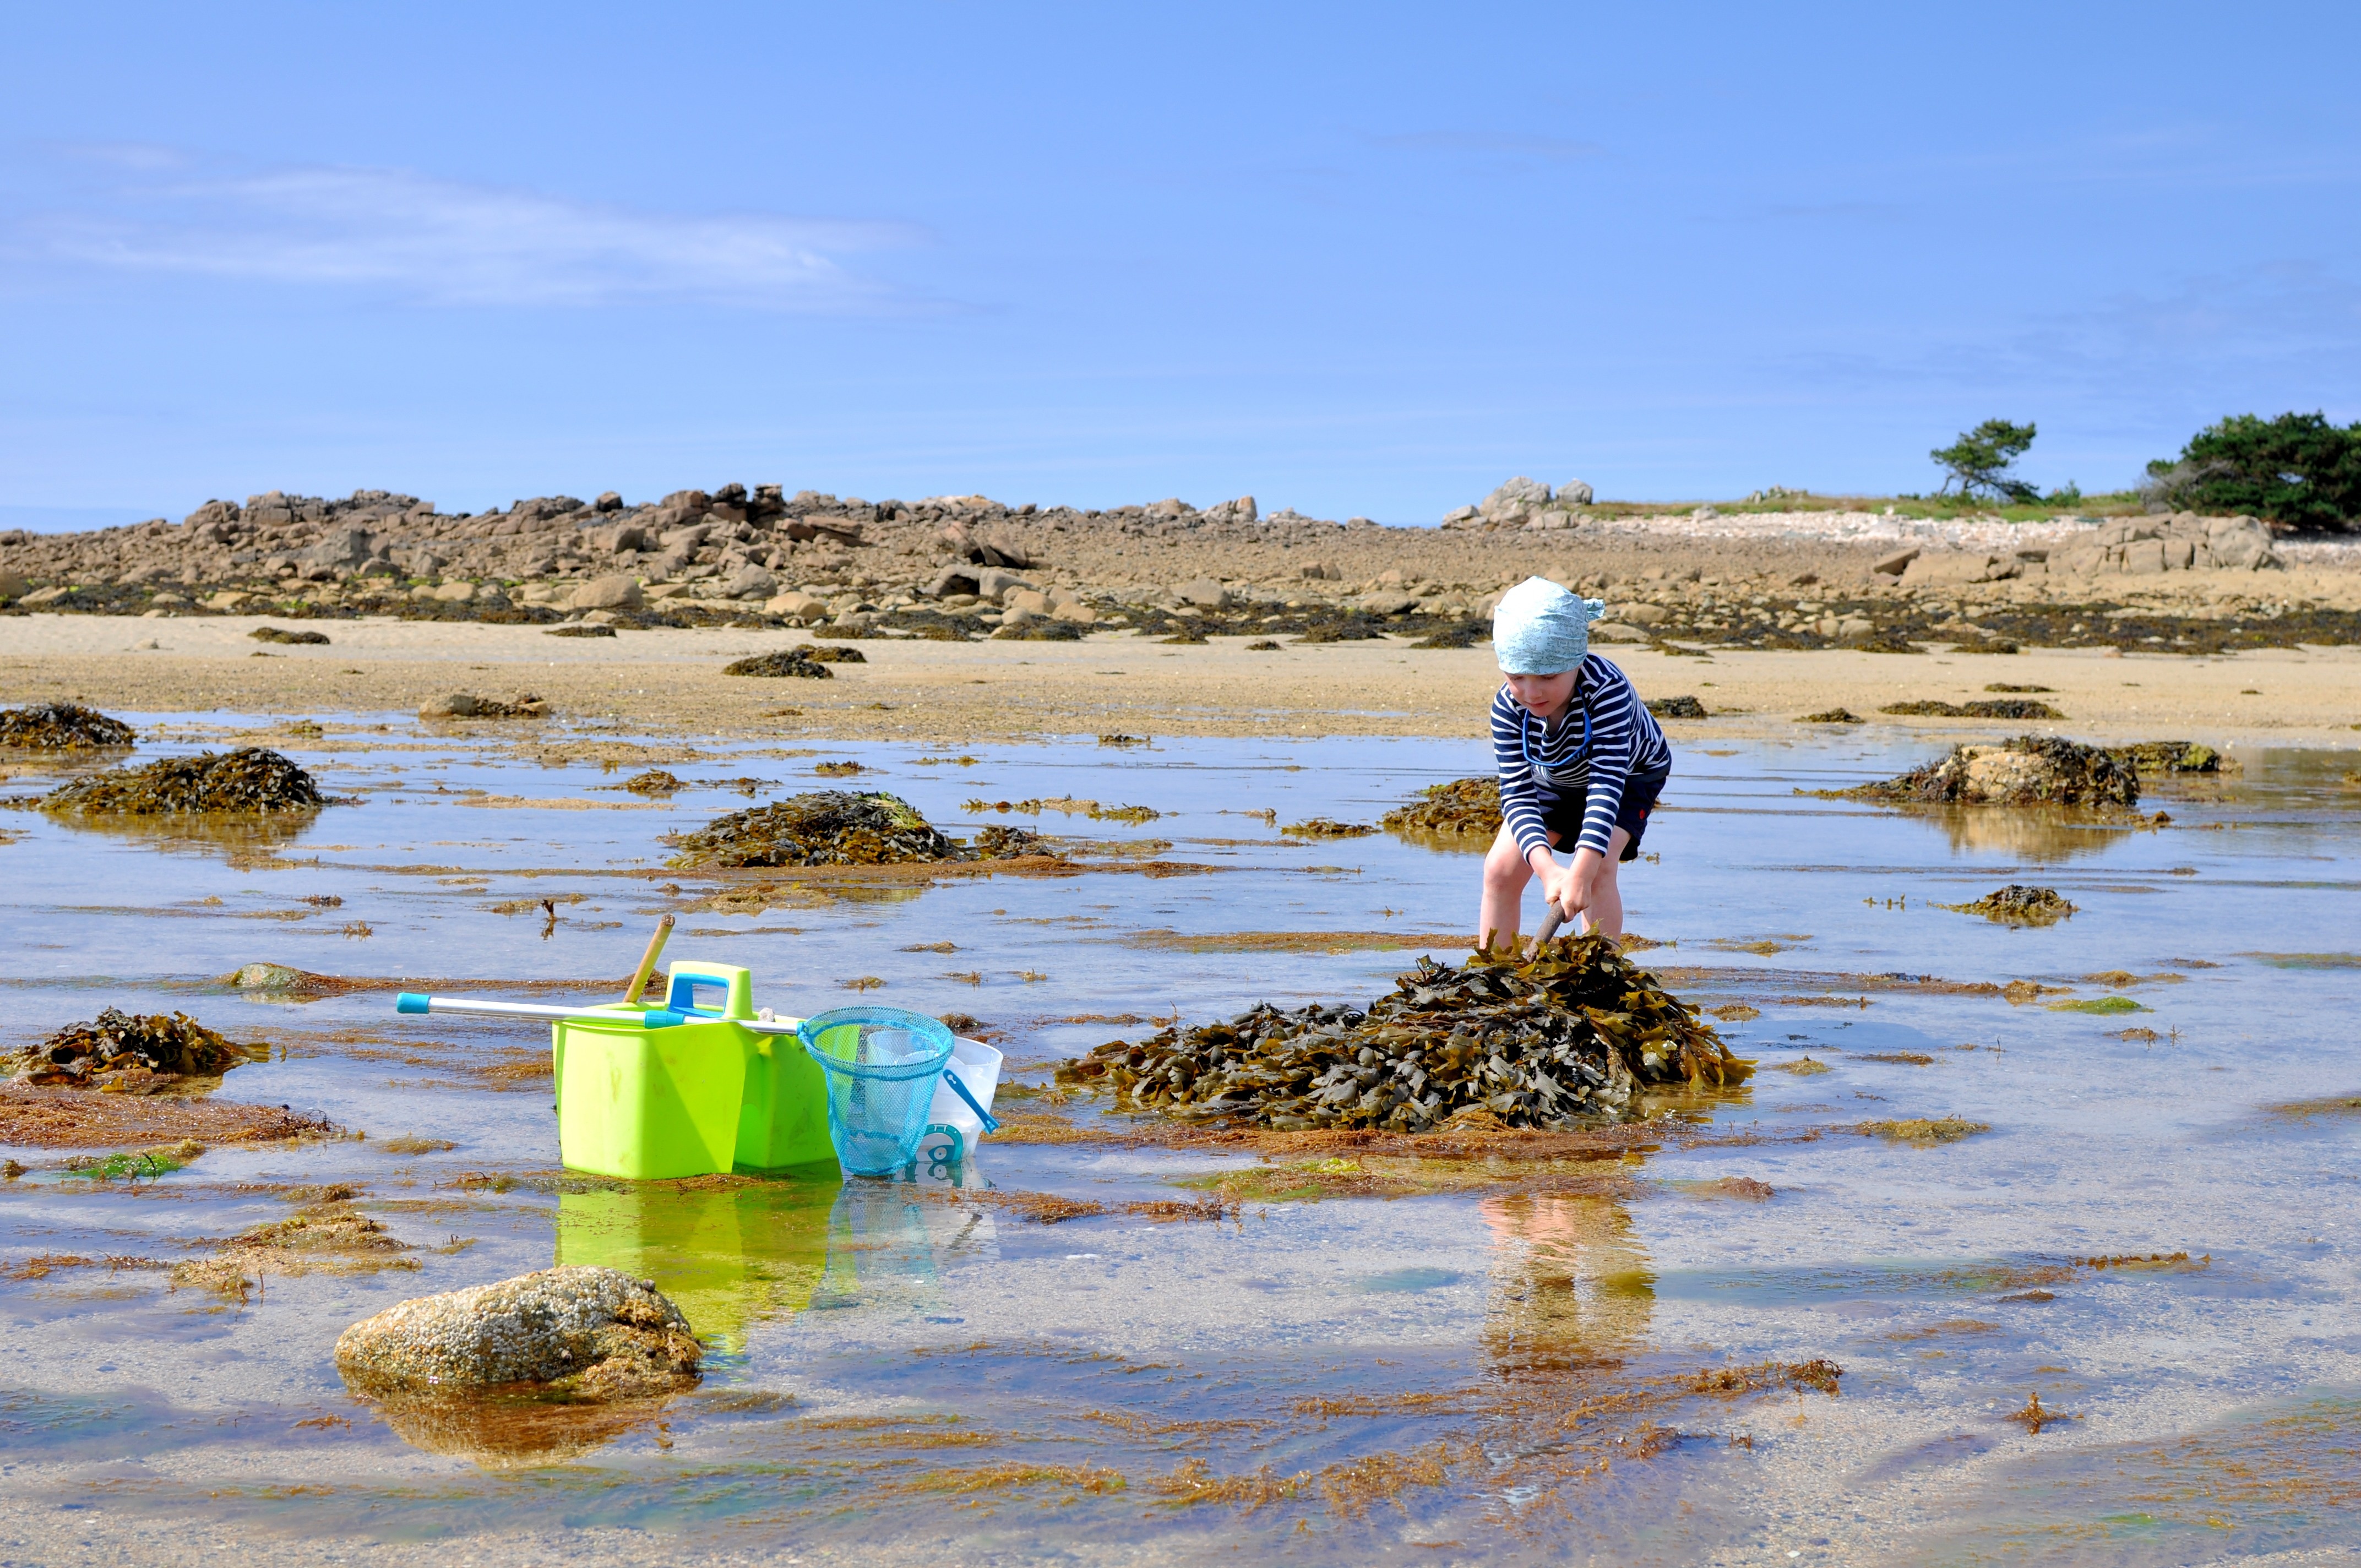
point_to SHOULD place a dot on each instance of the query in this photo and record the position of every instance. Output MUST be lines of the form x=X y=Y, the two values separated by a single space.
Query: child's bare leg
x=1605 y=911
x=1505 y=875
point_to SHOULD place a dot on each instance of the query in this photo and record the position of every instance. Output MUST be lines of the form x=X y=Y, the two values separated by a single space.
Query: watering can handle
x=990 y=1126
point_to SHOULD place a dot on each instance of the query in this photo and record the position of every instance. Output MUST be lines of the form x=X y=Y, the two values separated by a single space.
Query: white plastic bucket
x=978 y=1066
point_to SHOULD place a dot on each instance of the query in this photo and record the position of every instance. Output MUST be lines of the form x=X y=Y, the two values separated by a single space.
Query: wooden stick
x=648 y=960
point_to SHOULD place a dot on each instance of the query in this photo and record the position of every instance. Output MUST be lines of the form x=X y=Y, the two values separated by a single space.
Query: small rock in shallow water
x=588 y=1333
x=139 y=1054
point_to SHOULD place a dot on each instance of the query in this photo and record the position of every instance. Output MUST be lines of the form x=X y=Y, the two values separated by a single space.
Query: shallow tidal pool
x=2114 y=1326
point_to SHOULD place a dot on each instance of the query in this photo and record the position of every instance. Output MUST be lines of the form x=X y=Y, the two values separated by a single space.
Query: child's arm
x=1614 y=734
x=1521 y=804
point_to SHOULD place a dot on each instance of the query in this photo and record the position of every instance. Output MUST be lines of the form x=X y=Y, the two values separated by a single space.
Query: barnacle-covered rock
x=1565 y=1036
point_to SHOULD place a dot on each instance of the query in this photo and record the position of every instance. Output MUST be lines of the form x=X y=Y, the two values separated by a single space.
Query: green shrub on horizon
x=2297 y=469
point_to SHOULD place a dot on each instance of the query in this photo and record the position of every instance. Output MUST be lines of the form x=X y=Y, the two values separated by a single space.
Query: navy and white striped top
x=1605 y=735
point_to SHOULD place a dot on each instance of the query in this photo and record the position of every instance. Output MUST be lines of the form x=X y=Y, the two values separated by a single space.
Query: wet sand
x=953 y=692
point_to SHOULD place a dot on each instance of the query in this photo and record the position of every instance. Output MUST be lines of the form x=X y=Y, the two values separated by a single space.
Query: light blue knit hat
x=1539 y=628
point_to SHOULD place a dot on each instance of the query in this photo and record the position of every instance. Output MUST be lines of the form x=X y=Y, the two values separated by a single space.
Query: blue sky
x=1357 y=259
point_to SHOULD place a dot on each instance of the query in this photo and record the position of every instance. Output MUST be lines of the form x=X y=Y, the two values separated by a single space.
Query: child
x=1581 y=759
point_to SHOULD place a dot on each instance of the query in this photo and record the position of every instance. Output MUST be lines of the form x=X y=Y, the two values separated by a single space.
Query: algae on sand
x=1467 y=807
x=248 y=781
x=1564 y=1037
x=61 y=727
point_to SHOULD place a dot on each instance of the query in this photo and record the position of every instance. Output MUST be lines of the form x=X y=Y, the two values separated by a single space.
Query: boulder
x=1242 y=510
x=455 y=593
x=1952 y=567
x=584 y=1334
x=1172 y=507
x=1389 y=601
x=1573 y=493
x=1551 y=517
x=2239 y=544
x=13 y=584
x=211 y=514
x=1076 y=613
x=749 y=582
x=618 y=590
x=1463 y=517
x=339 y=547
x=1614 y=631
x=1894 y=566
x=1642 y=614
x=1205 y=593
x=607 y=501
x=796 y=605
x=994 y=582
x=2032 y=770
x=1030 y=600
x=621 y=536
x=1514 y=499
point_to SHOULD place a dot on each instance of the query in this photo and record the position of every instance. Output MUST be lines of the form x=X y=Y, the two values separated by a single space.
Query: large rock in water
x=588 y=1333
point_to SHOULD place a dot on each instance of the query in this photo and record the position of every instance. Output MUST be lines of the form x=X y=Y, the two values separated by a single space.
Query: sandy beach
x=670 y=680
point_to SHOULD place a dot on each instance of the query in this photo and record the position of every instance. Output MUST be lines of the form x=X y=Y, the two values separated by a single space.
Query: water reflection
x=729 y=1253
x=2022 y=833
x=1571 y=1283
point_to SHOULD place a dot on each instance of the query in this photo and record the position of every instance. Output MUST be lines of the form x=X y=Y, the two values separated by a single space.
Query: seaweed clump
x=249 y=780
x=1469 y=807
x=796 y=662
x=61 y=727
x=1831 y=716
x=281 y=634
x=2019 y=906
x=2171 y=757
x=1983 y=707
x=825 y=827
x=2032 y=770
x=1327 y=828
x=1568 y=1036
x=139 y=1054
x=1677 y=708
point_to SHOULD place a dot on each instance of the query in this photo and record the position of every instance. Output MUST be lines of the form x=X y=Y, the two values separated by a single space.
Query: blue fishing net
x=881 y=1066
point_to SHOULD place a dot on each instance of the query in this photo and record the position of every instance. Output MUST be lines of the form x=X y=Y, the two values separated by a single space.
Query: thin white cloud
x=447 y=242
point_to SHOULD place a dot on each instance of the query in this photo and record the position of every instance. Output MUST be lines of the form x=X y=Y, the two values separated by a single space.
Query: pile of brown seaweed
x=281 y=634
x=2032 y=770
x=1677 y=708
x=61 y=727
x=838 y=828
x=2020 y=906
x=134 y=1053
x=1563 y=1037
x=803 y=661
x=1327 y=828
x=248 y=780
x=1466 y=807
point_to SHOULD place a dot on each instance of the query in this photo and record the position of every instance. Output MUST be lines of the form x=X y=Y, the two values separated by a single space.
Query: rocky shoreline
x=963 y=567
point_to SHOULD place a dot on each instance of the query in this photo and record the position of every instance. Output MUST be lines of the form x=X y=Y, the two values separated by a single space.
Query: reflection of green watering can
x=728 y=1256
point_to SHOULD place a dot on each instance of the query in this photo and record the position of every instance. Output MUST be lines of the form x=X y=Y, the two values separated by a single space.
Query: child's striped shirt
x=1606 y=735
